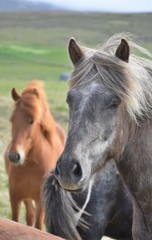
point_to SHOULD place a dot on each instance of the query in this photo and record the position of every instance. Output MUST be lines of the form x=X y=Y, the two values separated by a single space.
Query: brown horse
x=37 y=141
x=110 y=101
x=10 y=230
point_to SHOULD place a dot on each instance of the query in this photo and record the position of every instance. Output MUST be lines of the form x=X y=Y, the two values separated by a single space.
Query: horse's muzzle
x=68 y=174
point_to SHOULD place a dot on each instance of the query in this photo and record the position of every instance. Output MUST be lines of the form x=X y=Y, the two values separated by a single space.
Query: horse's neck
x=54 y=134
x=47 y=143
x=141 y=224
x=39 y=144
x=135 y=166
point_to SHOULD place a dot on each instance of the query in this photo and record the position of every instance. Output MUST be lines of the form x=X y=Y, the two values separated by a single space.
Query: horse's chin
x=86 y=185
x=74 y=190
x=68 y=188
x=77 y=188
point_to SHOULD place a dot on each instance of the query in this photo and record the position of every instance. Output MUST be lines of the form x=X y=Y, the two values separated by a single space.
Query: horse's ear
x=75 y=52
x=14 y=94
x=123 y=51
x=35 y=92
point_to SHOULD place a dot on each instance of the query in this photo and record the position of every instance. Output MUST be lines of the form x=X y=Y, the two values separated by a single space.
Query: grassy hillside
x=34 y=46
x=54 y=29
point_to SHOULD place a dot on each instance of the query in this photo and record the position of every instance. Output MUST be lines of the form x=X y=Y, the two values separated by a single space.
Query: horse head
x=93 y=111
x=26 y=124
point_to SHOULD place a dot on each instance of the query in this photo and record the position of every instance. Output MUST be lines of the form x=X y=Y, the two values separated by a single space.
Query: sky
x=104 y=5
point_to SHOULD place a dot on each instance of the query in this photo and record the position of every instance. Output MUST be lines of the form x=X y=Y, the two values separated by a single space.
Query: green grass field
x=34 y=46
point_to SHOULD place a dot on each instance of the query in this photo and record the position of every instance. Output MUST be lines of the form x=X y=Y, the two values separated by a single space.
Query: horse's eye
x=115 y=102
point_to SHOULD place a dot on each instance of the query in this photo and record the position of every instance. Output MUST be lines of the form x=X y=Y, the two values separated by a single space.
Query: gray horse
x=110 y=102
x=104 y=208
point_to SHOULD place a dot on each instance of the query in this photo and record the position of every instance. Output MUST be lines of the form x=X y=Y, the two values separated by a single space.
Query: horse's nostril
x=10 y=156
x=77 y=171
x=14 y=157
x=17 y=156
x=69 y=171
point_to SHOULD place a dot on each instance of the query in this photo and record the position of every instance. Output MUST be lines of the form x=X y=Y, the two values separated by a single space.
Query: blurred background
x=33 y=45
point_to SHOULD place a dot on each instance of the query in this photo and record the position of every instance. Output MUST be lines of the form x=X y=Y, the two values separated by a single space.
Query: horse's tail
x=60 y=211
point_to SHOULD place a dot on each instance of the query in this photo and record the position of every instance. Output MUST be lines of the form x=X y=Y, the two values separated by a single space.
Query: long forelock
x=36 y=86
x=30 y=106
x=131 y=81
